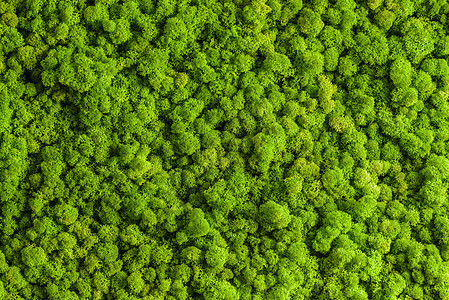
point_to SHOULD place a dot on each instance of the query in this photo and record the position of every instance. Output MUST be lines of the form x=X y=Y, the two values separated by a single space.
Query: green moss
x=232 y=149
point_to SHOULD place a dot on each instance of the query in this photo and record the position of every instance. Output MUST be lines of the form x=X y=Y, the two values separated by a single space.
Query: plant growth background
x=235 y=149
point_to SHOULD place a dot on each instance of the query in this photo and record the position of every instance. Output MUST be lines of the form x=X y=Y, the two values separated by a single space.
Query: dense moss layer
x=235 y=149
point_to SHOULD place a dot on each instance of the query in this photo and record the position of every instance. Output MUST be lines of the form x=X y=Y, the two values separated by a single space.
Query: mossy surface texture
x=224 y=149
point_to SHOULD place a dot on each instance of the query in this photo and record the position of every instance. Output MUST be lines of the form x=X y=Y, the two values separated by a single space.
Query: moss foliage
x=226 y=150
